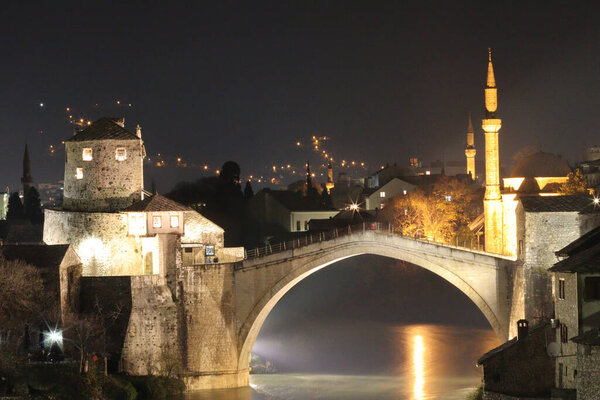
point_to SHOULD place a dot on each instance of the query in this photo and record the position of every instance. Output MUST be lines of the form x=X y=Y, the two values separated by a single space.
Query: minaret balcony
x=491 y=125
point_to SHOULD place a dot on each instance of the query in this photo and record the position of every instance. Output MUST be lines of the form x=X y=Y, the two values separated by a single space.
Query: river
x=354 y=359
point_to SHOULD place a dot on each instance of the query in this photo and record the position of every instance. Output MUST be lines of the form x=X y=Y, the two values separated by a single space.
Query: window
x=305 y=225
x=591 y=289
x=448 y=197
x=404 y=192
x=561 y=289
x=381 y=194
x=427 y=172
x=174 y=221
x=79 y=173
x=87 y=154
x=209 y=250
x=564 y=333
x=121 y=154
x=156 y=222
x=297 y=225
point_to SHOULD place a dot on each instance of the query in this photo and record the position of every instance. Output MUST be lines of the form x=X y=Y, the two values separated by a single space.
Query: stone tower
x=27 y=179
x=103 y=167
x=470 y=150
x=329 y=185
x=492 y=202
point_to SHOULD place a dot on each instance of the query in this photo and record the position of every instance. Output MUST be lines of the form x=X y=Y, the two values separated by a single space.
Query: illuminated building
x=113 y=224
x=470 y=150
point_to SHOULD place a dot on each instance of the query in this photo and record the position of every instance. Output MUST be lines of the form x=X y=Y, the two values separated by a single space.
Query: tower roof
x=156 y=203
x=470 y=127
x=104 y=129
x=491 y=80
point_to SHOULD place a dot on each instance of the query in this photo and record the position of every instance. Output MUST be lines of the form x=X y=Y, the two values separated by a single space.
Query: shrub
x=476 y=394
x=116 y=388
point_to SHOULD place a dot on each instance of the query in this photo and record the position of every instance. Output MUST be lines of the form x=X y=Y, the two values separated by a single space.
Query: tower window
x=564 y=333
x=121 y=154
x=79 y=173
x=87 y=154
x=174 y=221
x=156 y=222
x=561 y=289
x=381 y=194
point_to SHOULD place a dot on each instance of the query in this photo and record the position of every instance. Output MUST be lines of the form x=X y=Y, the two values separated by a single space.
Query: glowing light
x=41 y=104
x=298 y=144
x=418 y=367
x=354 y=207
x=53 y=337
x=68 y=109
x=596 y=201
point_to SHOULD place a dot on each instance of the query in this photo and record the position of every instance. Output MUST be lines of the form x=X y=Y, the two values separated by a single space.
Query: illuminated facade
x=470 y=150
x=492 y=203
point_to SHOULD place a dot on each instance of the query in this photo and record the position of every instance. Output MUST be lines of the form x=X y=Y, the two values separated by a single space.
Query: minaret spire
x=329 y=185
x=27 y=179
x=470 y=149
x=492 y=202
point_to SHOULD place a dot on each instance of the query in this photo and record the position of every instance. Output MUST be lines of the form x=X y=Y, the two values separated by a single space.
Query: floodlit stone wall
x=544 y=234
x=150 y=345
x=99 y=239
x=208 y=327
x=105 y=183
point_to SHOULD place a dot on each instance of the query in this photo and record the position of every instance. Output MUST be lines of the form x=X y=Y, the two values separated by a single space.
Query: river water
x=354 y=359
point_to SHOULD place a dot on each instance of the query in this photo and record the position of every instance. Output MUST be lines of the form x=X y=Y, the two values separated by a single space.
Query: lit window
x=156 y=222
x=79 y=173
x=87 y=154
x=121 y=154
x=561 y=289
x=427 y=172
x=381 y=194
x=209 y=250
x=404 y=192
x=448 y=197
x=174 y=221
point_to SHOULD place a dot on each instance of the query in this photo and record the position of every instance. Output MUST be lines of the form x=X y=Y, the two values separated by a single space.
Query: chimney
x=138 y=131
x=522 y=329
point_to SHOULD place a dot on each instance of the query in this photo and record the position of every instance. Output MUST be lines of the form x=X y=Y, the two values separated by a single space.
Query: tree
x=575 y=184
x=436 y=215
x=326 y=201
x=23 y=299
x=248 y=191
x=15 y=207
x=33 y=206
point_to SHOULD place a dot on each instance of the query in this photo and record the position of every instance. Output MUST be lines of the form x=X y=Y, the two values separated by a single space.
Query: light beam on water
x=418 y=368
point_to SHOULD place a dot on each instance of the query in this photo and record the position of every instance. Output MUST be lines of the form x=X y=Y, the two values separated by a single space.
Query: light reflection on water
x=414 y=362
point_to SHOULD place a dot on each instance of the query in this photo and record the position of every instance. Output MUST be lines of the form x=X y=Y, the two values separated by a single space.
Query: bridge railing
x=316 y=237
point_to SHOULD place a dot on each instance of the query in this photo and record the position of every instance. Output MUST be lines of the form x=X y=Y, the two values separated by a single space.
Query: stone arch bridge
x=221 y=307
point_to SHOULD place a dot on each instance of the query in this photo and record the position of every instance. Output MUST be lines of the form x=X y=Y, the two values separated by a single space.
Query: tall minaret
x=27 y=179
x=492 y=202
x=470 y=150
x=329 y=185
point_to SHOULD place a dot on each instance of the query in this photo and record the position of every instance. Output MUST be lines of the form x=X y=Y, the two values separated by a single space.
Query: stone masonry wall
x=523 y=368
x=207 y=320
x=100 y=240
x=107 y=184
x=545 y=233
x=151 y=340
x=588 y=372
x=567 y=313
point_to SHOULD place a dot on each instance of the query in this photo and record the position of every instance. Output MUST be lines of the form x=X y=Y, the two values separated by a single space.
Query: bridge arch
x=478 y=275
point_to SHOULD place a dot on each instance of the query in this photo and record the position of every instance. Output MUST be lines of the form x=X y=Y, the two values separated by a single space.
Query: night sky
x=217 y=81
